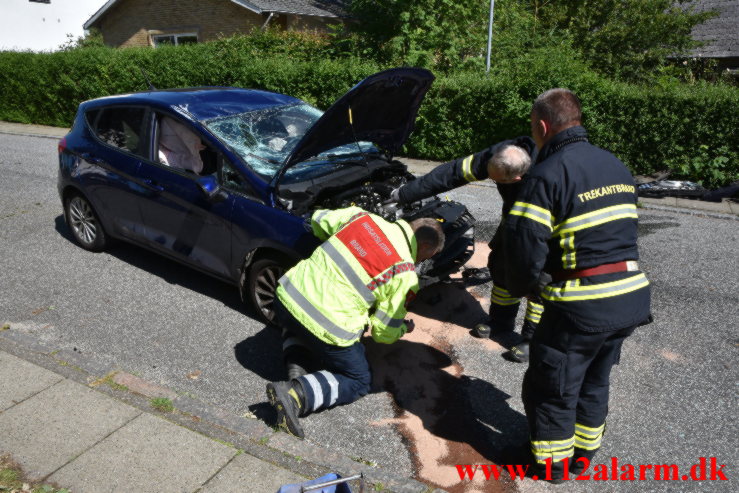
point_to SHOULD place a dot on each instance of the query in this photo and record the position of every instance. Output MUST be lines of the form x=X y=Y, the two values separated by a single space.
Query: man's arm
x=528 y=228
x=456 y=173
x=388 y=320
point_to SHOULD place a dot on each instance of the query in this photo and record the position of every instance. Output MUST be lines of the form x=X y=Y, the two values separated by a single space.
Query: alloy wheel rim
x=265 y=289
x=82 y=220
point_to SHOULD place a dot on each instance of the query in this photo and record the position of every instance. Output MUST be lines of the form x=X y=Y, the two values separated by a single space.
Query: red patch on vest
x=369 y=245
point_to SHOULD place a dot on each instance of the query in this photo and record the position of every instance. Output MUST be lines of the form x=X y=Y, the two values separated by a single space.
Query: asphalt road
x=442 y=396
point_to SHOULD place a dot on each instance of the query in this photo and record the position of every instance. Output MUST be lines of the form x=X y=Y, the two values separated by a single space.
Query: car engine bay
x=370 y=190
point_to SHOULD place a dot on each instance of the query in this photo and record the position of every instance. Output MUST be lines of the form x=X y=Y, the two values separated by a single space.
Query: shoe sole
x=287 y=420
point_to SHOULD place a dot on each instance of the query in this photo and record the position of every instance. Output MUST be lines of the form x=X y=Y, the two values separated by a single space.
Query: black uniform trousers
x=566 y=386
x=503 y=306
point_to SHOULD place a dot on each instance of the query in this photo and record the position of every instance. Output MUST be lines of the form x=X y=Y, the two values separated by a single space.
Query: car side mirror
x=212 y=191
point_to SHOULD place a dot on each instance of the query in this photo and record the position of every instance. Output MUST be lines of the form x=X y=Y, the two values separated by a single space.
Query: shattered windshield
x=265 y=138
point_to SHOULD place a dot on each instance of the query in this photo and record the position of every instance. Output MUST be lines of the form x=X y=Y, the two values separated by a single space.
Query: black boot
x=527 y=330
x=296 y=357
x=482 y=331
x=295 y=370
x=519 y=353
x=288 y=400
x=297 y=362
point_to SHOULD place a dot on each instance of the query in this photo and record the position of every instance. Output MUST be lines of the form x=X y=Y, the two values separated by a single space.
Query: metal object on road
x=671 y=188
x=330 y=483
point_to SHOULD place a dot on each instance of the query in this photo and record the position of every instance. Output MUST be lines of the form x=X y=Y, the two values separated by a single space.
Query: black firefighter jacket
x=464 y=170
x=577 y=209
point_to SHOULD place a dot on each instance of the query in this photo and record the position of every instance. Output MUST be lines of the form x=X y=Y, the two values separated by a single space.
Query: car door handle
x=154 y=185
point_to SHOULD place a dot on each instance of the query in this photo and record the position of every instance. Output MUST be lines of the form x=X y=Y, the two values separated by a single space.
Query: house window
x=174 y=39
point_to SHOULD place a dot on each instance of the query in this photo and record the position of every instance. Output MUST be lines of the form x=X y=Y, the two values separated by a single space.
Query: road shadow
x=261 y=354
x=449 y=302
x=60 y=225
x=169 y=270
x=473 y=416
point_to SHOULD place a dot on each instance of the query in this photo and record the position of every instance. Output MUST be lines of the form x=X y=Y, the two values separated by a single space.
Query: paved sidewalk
x=76 y=424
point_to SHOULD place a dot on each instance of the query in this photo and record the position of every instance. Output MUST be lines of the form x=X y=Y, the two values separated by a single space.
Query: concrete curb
x=248 y=434
x=33 y=130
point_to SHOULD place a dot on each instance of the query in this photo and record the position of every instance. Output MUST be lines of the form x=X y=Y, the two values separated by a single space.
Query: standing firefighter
x=505 y=163
x=571 y=237
x=362 y=275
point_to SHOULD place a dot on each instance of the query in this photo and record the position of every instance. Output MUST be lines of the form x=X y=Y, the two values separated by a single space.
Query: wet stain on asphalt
x=430 y=391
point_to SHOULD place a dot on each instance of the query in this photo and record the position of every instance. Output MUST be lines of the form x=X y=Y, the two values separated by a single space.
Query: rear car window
x=120 y=127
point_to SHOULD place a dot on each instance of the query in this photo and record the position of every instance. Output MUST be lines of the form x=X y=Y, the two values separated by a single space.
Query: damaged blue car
x=221 y=179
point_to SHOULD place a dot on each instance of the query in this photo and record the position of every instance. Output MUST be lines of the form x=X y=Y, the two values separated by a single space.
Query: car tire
x=85 y=224
x=262 y=283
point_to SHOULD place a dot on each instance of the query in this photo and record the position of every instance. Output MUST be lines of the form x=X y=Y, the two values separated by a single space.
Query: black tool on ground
x=474 y=275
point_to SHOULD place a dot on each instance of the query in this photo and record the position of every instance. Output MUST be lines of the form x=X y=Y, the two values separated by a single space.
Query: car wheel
x=86 y=227
x=263 y=276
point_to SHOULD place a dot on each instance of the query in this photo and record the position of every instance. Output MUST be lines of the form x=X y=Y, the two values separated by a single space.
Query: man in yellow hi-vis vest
x=362 y=275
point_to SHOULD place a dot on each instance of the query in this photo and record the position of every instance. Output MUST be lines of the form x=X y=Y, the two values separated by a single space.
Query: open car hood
x=380 y=109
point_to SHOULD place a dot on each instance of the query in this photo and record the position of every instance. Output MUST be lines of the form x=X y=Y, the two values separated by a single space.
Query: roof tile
x=722 y=32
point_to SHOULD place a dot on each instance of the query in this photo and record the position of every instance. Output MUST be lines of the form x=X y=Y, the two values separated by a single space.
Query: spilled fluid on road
x=429 y=388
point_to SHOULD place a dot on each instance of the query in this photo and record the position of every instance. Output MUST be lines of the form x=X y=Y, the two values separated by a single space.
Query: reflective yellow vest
x=363 y=273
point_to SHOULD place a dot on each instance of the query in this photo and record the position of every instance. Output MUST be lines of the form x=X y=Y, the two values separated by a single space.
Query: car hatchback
x=222 y=179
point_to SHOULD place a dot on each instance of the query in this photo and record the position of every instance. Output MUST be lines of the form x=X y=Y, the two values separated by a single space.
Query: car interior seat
x=179 y=147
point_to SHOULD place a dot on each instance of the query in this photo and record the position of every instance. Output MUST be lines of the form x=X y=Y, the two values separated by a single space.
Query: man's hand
x=409 y=326
x=544 y=280
x=394 y=197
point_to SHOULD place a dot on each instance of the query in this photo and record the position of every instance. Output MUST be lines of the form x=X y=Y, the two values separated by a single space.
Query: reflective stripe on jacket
x=361 y=274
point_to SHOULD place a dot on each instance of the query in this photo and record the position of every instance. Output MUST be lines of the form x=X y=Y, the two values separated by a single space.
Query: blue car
x=222 y=179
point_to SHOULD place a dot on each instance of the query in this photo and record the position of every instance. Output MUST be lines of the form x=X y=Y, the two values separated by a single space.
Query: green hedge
x=46 y=88
x=690 y=129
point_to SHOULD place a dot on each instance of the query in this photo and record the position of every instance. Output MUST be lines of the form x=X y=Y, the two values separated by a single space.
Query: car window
x=233 y=180
x=123 y=128
x=91 y=117
x=179 y=146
